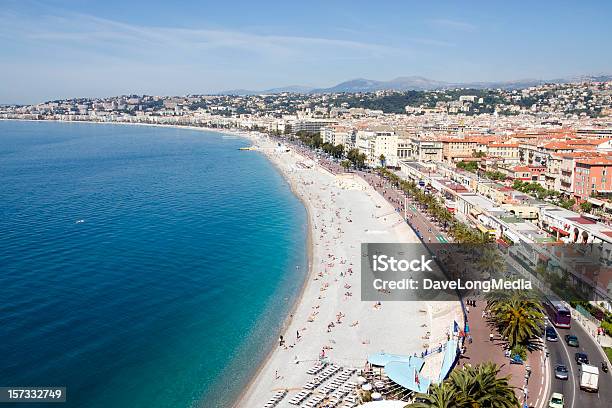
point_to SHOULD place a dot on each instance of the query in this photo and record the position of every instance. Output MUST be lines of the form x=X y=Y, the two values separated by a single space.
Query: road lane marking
x=569 y=363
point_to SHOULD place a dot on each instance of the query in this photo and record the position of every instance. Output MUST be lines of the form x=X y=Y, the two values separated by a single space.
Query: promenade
x=482 y=349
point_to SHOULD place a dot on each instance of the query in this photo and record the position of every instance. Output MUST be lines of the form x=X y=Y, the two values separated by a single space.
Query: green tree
x=478 y=154
x=346 y=164
x=382 y=159
x=586 y=207
x=338 y=151
x=567 y=203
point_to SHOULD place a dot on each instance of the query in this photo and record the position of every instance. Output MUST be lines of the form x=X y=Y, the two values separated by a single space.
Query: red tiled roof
x=595 y=161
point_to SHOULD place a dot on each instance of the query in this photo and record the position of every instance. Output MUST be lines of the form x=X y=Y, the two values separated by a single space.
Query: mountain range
x=416 y=83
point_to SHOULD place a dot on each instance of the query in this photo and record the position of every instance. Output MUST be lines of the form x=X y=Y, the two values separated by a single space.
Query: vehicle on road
x=589 y=378
x=604 y=366
x=561 y=372
x=558 y=314
x=556 y=400
x=581 y=358
x=551 y=334
x=572 y=340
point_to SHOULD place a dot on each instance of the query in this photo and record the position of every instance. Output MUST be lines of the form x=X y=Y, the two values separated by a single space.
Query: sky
x=89 y=48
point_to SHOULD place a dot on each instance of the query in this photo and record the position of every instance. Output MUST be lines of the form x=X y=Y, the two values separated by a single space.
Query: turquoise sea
x=141 y=266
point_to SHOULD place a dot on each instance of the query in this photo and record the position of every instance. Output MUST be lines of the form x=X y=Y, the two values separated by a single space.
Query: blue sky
x=59 y=49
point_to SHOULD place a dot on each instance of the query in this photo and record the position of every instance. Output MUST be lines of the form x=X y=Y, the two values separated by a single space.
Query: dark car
x=582 y=358
x=551 y=334
x=561 y=372
x=571 y=340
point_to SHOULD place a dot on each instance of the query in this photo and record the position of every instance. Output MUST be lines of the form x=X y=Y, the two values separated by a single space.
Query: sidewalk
x=484 y=350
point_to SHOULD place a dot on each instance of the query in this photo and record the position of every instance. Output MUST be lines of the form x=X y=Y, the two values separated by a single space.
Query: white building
x=375 y=143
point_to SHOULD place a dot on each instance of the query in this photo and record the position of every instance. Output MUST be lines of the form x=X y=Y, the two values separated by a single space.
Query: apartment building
x=311 y=125
x=376 y=142
x=592 y=176
x=424 y=150
x=455 y=149
x=337 y=135
x=509 y=152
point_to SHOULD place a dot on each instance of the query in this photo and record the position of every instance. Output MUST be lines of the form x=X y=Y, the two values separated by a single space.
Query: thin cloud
x=453 y=24
x=86 y=30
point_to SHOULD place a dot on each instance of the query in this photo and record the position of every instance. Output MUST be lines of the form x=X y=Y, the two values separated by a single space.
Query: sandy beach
x=344 y=212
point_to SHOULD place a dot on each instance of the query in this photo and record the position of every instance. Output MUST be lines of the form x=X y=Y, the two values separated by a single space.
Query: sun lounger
x=351 y=398
x=299 y=397
x=276 y=398
x=313 y=402
x=314 y=370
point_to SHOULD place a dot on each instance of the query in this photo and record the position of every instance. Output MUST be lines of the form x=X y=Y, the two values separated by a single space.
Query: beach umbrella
x=366 y=387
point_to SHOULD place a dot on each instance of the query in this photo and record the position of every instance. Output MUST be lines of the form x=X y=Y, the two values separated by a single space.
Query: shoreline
x=253 y=137
x=310 y=253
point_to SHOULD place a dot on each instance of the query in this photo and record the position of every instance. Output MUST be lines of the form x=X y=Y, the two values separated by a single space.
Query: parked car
x=582 y=358
x=571 y=340
x=551 y=334
x=556 y=400
x=561 y=372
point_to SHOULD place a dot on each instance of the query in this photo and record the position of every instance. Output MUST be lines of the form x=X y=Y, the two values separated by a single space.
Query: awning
x=382 y=359
x=406 y=376
x=560 y=231
x=450 y=355
x=484 y=229
x=502 y=243
x=595 y=201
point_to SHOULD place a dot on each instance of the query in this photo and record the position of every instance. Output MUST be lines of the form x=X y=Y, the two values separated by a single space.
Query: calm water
x=173 y=287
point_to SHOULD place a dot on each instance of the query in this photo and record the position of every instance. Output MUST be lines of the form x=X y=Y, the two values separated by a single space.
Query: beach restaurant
x=403 y=376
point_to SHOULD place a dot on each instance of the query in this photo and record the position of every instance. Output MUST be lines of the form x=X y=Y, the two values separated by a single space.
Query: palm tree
x=471 y=387
x=519 y=317
x=490 y=261
x=440 y=396
x=482 y=388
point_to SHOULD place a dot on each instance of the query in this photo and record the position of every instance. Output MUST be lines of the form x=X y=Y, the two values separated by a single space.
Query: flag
x=455 y=327
x=416 y=378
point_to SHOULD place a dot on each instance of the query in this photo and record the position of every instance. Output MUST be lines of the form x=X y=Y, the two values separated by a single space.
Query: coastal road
x=561 y=353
